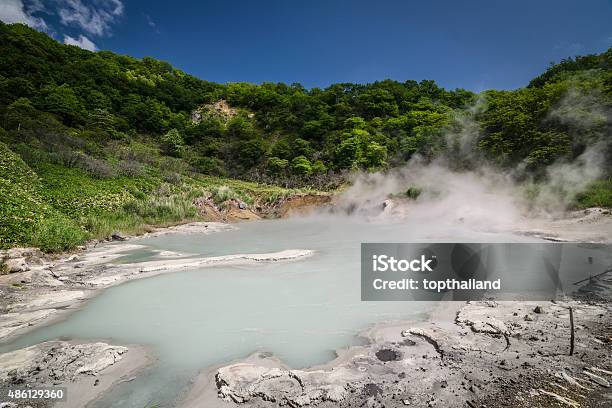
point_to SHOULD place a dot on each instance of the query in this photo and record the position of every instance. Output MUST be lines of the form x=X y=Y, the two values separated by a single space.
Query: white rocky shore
x=85 y=370
x=40 y=290
x=479 y=354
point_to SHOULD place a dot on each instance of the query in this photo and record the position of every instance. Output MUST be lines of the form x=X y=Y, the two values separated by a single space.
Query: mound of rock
x=56 y=362
x=220 y=110
x=245 y=382
x=19 y=259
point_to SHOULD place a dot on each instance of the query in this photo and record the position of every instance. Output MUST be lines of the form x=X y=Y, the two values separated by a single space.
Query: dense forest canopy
x=279 y=133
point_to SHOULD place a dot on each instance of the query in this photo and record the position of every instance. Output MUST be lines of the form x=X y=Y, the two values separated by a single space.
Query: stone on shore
x=57 y=361
x=15 y=265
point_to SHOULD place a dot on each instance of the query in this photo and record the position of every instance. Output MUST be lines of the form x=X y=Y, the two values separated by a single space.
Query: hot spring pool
x=301 y=311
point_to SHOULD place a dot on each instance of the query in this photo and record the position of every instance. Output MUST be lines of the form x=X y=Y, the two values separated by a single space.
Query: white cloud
x=95 y=18
x=151 y=23
x=35 y=6
x=13 y=11
x=82 y=42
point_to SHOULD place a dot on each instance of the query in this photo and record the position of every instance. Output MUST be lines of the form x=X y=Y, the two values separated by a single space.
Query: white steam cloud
x=485 y=197
x=482 y=199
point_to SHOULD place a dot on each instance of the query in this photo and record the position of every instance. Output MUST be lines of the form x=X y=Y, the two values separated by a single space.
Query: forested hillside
x=107 y=135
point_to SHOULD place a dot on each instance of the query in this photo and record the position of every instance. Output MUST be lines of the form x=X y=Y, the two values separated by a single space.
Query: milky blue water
x=301 y=311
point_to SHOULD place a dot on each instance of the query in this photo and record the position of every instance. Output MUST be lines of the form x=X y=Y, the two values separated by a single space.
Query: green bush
x=277 y=166
x=300 y=165
x=173 y=142
x=223 y=193
x=58 y=234
x=413 y=192
x=598 y=194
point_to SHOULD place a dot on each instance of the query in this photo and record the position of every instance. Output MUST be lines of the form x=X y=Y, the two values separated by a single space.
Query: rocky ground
x=588 y=225
x=85 y=370
x=479 y=354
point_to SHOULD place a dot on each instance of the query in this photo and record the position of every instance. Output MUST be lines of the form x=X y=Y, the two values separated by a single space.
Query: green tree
x=62 y=101
x=319 y=167
x=240 y=128
x=302 y=147
x=348 y=153
x=251 y=152
x=301 y=166
x=281 y=149
x=375 y=155
x=277 y=166
x=173 y=143
x=355 y=122
x=20 y=113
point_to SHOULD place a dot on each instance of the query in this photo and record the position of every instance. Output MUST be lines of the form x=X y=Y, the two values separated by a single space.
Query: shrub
x=319 y=167
x=210 y=165
x=173 y=164
x=130 y=168
x=58 y=234
x=65 y=157
x=173 y=142
x=413 y=192
x=172 y=178
x=301 y=166
x=598 y=194
x=277 y=166
x=97 y=168
x=223 y=193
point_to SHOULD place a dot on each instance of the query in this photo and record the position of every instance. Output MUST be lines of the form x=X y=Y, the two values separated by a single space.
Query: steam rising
x=485 y=197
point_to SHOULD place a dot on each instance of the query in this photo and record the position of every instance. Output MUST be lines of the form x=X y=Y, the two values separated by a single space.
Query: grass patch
x=598 y=194
x=57 y=207
x=26 y=218
x=412 y=193
x=247 y=191
x=56 y=234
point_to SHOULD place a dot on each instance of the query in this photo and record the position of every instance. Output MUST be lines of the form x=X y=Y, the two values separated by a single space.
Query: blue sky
x=471 y=44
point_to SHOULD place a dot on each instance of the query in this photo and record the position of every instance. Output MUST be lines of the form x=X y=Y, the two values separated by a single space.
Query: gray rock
x=16 y=265
x=57 y=361
x=597 y=379
x=292 y=387
x=118 y=236
x=24 y=253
